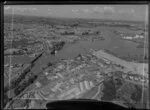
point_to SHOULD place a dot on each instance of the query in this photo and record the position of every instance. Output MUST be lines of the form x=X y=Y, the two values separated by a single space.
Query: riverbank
x=138 y=68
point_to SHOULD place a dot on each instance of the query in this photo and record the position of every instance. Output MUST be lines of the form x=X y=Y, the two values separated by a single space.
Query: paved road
x=94 y=92
x=99 y=88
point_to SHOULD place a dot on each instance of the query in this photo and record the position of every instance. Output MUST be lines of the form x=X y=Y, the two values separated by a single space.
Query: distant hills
x=54 y=20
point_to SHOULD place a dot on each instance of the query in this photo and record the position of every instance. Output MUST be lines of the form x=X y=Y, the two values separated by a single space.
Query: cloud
x=7 y=7
x=105 y=9
x=49 y=11
x=34 y=9
x=98 y=9
x=132 y=10
x=87 y=10
x=75 y=10
x=109 y=8
x=21 y=9
x=126 y=11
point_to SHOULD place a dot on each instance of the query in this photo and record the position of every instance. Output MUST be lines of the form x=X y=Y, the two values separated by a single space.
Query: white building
x=56 y=87
x=87 y=86
x=131 y=77
x=128 y=37
x=61 y=66
x=136 y=79
x=59 y=75
x=98 y=74
x=46 y=73
x=82 y=87
x=6 y=65
x=100 y=64
x=70 y=93
x=38 y=84
x=91 y=84
x=138 y=36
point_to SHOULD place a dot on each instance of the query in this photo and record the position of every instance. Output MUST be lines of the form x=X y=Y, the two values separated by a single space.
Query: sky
x=114 y=12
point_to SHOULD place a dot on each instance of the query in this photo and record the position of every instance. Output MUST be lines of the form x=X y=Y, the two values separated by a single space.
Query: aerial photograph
x=75 y=52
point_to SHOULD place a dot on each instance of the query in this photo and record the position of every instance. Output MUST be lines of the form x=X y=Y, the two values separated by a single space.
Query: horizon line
x=103 y=19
